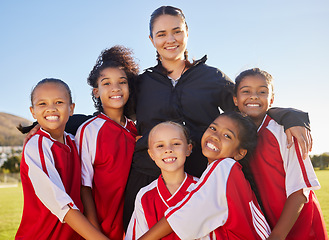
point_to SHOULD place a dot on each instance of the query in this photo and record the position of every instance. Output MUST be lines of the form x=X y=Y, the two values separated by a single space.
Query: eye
x=178 y=31
x=161 y=35
x=212 y=128
x=227 y=136
x=177 y=144
x=59 y=102
x=124 y=82
x=159 y=146
x=41 y=104
x=106 y=83
x=245 y=91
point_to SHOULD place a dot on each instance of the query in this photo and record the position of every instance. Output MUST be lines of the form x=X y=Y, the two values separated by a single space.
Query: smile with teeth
x=52 y=118
x=116 y=97
x=212 y=146
x=171 y=48
x=169 y=160
x=253 y=105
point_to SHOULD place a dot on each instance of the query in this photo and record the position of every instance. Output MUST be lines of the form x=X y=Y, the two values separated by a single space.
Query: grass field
x=11 y=205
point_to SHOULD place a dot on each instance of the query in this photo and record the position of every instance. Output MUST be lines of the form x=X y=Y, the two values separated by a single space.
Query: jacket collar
x=157 y=69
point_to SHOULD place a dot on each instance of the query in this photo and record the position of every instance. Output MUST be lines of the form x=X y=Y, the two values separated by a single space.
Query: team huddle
x=158 y=161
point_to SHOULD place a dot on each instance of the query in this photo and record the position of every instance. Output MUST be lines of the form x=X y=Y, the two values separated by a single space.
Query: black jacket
x=195 y=102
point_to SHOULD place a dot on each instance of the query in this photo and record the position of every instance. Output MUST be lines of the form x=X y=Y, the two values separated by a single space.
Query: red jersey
x=151 y=203
x=106 y=149
x=279 y=172
x=222 y=201
x=51 y=180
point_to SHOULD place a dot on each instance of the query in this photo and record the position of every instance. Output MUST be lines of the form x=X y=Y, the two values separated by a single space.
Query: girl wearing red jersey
x=169 y=145
x=107 y=141
x=50 y=171
x=284 y=180
x=222 y=202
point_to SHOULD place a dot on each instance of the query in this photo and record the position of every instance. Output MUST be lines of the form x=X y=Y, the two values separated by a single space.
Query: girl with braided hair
x=106 y=142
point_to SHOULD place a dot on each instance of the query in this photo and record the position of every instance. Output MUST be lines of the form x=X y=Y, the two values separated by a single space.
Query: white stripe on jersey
x=259 y=222
x=87 y=146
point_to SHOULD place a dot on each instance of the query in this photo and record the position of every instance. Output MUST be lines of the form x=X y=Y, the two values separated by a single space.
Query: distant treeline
x=320 y=161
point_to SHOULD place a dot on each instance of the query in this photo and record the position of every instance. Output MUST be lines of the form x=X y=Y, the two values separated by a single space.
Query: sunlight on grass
x=11 y=207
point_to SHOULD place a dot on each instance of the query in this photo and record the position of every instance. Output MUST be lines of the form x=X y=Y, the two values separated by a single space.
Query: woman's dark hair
x=248 y=140
x=172 y=11
x=254 y=72
x=116 y=57
x=43 y=81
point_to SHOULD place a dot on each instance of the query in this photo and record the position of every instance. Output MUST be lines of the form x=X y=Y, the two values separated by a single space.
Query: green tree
x=320 y=161
x=12 y=164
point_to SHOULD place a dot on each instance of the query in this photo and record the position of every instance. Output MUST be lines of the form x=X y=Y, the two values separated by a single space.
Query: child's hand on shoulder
x=138 y=137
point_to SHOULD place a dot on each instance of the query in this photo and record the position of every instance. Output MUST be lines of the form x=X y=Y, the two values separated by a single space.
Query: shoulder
x=91 y=124
x=277 y=130
x=204 y=68
x=143 y=191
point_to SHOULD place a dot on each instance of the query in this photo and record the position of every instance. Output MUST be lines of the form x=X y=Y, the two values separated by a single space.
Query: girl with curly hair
x=107 y=141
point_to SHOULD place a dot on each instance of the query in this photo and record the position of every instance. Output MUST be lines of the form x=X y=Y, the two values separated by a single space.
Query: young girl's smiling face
x=113 y=89
x=168 y=147
x=254 y=97
x=221 y=140
x=51 y=107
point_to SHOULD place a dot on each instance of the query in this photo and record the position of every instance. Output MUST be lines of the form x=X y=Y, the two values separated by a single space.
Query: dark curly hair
x=116 y=57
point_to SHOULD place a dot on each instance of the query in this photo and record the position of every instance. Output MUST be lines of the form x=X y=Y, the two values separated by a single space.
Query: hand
x=31 y=133
x=138 y=137
x=304 y=139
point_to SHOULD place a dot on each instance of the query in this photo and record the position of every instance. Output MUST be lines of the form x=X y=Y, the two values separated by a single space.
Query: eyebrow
x=105 y=78
x=163 y=31
x=250 y=86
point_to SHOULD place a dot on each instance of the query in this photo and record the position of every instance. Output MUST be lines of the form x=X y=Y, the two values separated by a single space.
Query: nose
x=254 y=96
x=171 y=38
x=51 y=108
x=116 y=88
x=168 y=150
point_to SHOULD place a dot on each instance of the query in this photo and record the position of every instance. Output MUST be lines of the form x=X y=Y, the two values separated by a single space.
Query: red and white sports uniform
x=106 y=149
x=221 y=201
x=51 y=180
x=279 y=172
x=151 y=203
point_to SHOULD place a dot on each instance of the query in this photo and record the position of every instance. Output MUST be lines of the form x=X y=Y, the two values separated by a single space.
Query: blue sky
x=62 y=39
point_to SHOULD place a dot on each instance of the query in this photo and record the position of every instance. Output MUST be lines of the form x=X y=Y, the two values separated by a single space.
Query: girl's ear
x=95 y=92
x=72 y=106
x=189 y=149
x=272 y=99
x=150 y=153
x=240 y=154
x=32 y=112
x=235 y=100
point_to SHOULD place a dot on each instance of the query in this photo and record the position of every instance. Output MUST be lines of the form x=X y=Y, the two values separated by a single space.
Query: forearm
x=291 y=210
x=158 y=231
x=78 y=222
x=290 y=117
x=89 y=206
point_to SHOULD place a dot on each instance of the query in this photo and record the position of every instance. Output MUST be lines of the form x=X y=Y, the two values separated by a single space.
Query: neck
x=57 y=134
x=258 y=120
x=116 y=115
x=173 y=180
x=176 y=68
